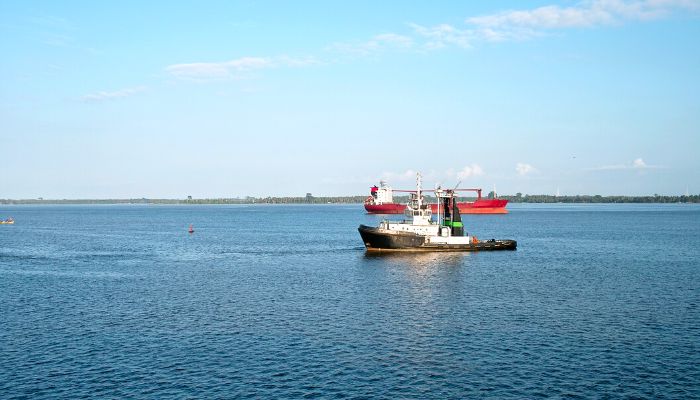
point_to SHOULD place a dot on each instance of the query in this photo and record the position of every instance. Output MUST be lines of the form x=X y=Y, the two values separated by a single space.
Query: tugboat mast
x=418 y=190
x=438 y=193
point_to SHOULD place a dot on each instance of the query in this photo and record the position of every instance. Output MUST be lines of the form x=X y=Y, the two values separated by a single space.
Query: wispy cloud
x=56 y=31
x=637 y=164
x=58 y=40
x=547 y=17
x=233 y=69
x=524 y=24
x=524 y=169
x=518 y=25
x=394 y=40
x=295 y=62
x=377 y=43
x=53 y=22
x=117 y=94
x=217 y=70
x=510 y=25
x=444 y=35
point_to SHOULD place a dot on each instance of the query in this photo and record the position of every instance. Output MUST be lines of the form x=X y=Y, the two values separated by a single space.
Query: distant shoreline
x=519 y=198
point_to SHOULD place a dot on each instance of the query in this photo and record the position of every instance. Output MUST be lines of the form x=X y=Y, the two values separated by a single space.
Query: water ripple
x=301 y=311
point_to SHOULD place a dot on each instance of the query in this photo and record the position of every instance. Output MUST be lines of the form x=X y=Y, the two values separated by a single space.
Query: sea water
x=282 y=301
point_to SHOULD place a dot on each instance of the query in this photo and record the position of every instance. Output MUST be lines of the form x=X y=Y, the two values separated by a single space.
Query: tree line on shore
x=543 y=198
x=308 y=199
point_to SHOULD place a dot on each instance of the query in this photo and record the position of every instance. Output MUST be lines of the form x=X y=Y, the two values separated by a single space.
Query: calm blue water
x=282 y=302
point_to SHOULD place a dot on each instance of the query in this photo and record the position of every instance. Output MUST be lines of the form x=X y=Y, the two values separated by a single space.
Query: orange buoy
x=191 y=230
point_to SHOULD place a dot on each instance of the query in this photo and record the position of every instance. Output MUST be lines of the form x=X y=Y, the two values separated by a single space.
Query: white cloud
x=523 y=169
x=407 y=175
x=407 y=178
x=117 y=94
x=637 y=164
x=466 y=172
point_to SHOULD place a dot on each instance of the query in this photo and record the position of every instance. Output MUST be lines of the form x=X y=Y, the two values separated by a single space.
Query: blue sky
x=227 y=99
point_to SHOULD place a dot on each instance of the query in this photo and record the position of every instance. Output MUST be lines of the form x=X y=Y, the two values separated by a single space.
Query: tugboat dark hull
x=382 y=240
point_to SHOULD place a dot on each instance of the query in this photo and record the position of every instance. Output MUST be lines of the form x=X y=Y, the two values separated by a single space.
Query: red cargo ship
x=381 y=201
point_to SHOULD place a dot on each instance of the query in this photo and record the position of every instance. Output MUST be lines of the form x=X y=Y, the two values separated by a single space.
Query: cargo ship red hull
x=480 y=206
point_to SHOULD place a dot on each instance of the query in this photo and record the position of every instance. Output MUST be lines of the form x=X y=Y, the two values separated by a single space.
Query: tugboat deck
x=379 y=240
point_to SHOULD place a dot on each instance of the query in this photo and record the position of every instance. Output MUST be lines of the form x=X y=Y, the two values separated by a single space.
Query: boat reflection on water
x=422 y=277
x=423 y=260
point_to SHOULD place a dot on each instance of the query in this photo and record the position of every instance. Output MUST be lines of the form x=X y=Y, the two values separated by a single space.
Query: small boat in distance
x=8 y=221
x=421 y=233
x=381 y=201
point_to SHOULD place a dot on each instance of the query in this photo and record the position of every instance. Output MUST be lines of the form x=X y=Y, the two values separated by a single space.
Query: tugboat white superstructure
x=421 y=233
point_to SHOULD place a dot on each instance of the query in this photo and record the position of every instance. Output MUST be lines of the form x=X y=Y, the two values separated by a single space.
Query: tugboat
x=421 y=233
